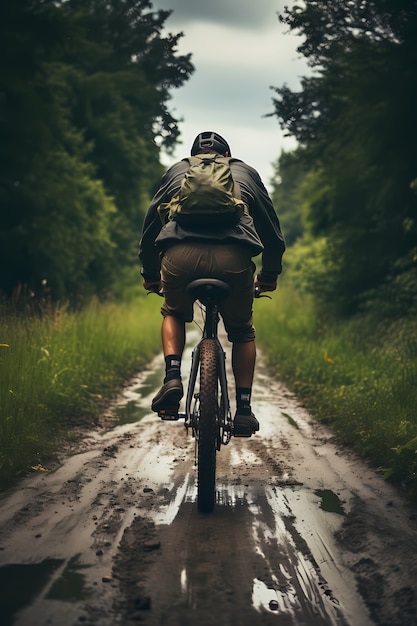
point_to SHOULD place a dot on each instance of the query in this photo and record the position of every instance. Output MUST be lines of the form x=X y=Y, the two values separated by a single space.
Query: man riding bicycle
x=173 y=254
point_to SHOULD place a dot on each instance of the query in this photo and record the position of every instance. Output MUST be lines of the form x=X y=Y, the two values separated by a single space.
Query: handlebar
x=256 y=292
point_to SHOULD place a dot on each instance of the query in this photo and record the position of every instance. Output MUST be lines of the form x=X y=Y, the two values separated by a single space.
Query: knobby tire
x=208 y=427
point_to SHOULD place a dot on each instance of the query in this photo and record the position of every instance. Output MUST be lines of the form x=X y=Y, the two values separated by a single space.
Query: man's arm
x=266 y=223
x=269 y=229
x=148 y=253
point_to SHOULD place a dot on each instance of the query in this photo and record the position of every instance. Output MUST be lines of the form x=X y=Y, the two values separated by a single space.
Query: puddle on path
x=329 y=501
x=134 y=403
x=130 y=413
x=71 y=585
x=151 y=383
x=21 y=583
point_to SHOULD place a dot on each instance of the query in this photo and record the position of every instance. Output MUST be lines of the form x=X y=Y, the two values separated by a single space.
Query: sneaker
x=245 y=425
x=169 y=396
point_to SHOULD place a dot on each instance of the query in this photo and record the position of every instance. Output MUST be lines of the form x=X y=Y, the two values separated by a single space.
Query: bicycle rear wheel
x=208 y=427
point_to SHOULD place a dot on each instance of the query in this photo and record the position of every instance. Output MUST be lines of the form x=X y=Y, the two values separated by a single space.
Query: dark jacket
x=260 y=231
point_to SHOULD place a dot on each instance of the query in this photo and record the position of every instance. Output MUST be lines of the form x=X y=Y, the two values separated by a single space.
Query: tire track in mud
x=302 y=533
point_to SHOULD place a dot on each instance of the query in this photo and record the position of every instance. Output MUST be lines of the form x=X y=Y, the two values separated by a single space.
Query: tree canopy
x=84 y=93
x=355 y=120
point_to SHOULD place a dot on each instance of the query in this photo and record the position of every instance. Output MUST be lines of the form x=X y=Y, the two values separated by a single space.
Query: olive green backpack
x=208 y=194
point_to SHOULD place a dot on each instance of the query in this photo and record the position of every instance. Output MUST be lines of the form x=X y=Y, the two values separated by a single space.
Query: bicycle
x=207 y=406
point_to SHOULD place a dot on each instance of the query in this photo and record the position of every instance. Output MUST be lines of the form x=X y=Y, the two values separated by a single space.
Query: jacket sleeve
x=148 y=253
x=265 y=219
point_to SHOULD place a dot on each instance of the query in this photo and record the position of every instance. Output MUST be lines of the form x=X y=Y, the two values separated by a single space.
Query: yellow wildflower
x=327 y=358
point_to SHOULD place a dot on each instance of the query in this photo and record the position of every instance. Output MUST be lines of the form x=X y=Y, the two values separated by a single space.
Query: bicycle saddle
x=208 y=289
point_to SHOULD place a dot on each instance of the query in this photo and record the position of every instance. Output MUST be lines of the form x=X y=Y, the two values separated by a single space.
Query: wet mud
x=303 y=532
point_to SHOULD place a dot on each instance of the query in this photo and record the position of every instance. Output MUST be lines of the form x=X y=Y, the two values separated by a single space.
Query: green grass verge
x=360 y=376
x=57 y=365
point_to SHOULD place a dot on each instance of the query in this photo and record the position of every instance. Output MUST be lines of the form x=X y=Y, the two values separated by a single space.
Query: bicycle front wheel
x=208 y=427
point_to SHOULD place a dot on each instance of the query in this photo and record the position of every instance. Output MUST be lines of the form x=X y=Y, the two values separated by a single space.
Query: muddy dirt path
x=303 y=532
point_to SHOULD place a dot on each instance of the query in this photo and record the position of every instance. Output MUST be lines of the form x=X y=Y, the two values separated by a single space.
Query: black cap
x=211 y=141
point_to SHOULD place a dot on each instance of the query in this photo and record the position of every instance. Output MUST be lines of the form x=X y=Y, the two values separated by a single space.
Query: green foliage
x=355 y=119
x=290 y=171
x=56 y=366
x=84 y=88
x=359 y=376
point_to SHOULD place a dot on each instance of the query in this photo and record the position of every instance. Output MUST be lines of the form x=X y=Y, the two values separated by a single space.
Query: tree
x=290 y=171
x=355 y=118
x=83 y=111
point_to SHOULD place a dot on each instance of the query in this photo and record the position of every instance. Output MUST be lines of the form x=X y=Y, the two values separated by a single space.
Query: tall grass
x=56 y=365
x=359 y=375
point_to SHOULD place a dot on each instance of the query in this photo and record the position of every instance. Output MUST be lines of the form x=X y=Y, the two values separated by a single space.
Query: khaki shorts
x=185 y=262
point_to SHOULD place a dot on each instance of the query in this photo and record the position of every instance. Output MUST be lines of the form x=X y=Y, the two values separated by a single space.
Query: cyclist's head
x=210 y=141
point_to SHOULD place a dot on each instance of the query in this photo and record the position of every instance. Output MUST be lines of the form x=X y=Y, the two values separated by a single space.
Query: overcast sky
x=239 y=49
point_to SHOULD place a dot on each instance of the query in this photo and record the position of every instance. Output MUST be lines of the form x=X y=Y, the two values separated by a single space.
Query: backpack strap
x=237 y=192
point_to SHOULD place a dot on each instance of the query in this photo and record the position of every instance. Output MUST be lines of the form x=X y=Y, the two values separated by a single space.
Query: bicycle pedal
x=169 y=415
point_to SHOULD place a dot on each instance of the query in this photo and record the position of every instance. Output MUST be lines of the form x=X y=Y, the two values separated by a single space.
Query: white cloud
x=219 y=46
x=235 y=13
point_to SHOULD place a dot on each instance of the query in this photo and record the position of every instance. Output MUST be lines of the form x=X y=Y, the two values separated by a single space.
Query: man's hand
x=261 y=286
x=152 y=286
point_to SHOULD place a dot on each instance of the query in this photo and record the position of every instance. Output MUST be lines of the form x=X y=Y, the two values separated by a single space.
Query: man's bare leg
x=243 y=363
x=173 y=335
